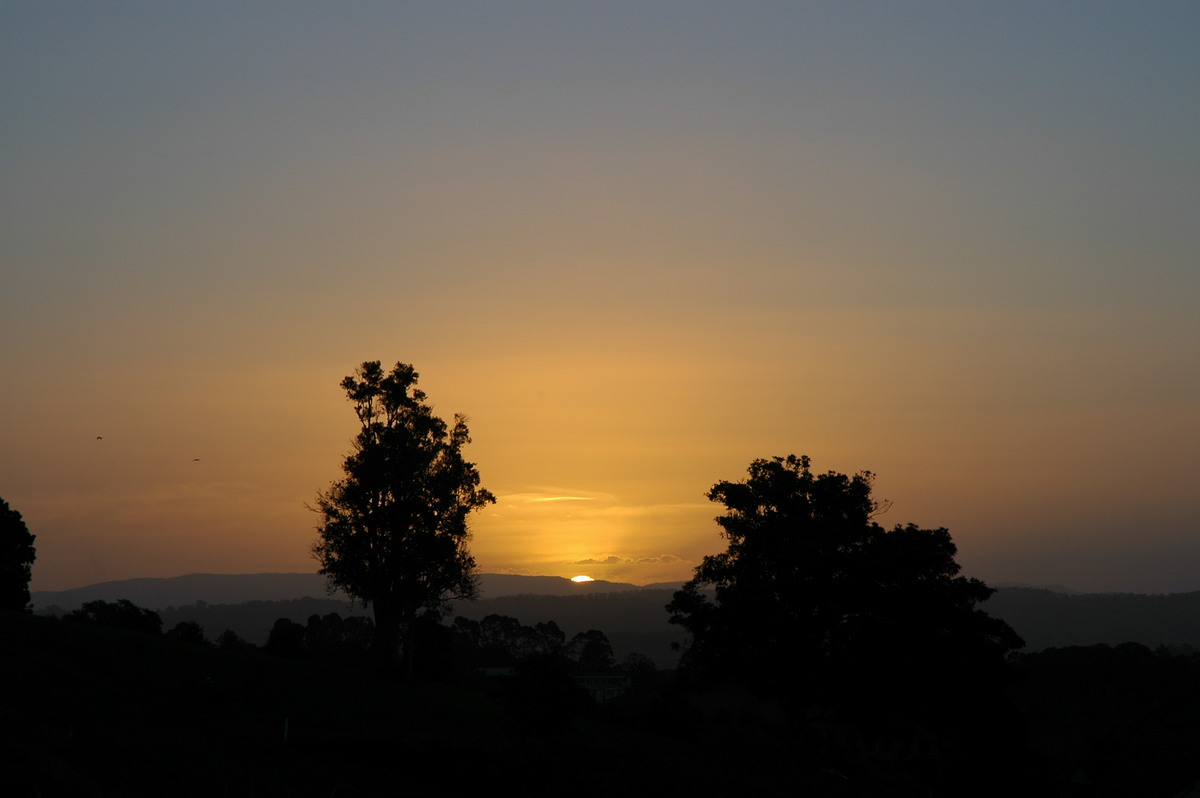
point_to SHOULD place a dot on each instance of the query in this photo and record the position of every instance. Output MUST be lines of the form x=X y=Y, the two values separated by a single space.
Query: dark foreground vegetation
x=90 y=710
x=824 y=655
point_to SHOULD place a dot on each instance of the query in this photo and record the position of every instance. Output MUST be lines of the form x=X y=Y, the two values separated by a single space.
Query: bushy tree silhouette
x=230 y=640
x=339 y=640
x=188 y=632
x=538 y=690
x=286 y=639
x=119 y=614
x=16 y=559
x=591 y=651
x=393 y=532
x=816 y=604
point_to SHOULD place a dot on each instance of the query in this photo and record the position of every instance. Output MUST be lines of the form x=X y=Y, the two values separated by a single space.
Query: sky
x=639 y=245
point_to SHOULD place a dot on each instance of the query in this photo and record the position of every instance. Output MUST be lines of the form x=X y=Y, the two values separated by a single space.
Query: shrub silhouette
x=121 y=614
x=188 y=632
x=286 y=640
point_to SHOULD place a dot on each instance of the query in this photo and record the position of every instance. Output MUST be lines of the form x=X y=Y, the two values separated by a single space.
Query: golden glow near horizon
x=582 y=578
x=636 y=254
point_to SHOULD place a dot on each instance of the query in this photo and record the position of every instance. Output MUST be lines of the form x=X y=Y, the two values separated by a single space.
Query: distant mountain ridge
x=1046 y=618
x=157 y=593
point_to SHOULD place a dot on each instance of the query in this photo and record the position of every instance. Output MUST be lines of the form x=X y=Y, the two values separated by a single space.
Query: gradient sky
x=638 y=244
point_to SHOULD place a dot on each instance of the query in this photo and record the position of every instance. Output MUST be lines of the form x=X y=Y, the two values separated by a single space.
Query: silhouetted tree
x=121 y=614
x=16 y=559
x=549 y=639
x=393 y=532
x=814 y=602
x=465 y=645
x=335 y=639
x=591 y=650
x=499 y=639
x=230 y=640
x=641 y=670
x=188 y=632
x=286 y=639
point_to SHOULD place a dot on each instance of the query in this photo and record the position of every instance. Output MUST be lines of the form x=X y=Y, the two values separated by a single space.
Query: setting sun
x=658 y=286
x=582 y=578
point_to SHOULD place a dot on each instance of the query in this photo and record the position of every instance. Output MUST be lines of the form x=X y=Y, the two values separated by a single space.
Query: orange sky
x=637 y=247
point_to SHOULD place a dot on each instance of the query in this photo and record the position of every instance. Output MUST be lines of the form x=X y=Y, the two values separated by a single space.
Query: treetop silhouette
x=119 y=614
x=393 y=531
x=815 y=603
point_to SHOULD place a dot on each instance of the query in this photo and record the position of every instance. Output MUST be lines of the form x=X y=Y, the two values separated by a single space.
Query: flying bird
x=99 y=437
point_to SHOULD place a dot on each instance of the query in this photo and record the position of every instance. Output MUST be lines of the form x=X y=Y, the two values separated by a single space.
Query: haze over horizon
x=638 y=246
x=573 y=586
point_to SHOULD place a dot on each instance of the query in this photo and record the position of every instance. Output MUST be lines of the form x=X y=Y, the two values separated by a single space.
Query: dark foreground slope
x=87 y=711
x=93 y=711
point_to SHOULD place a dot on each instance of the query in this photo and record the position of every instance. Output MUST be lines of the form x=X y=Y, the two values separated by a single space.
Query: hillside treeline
x=1049 y=618
x=635 y=622
x=1084 y=721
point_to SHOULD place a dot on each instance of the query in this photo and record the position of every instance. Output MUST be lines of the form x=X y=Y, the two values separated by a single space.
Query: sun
x=582 y=578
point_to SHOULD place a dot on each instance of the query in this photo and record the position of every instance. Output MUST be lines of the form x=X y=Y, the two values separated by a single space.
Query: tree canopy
x=393 y=531
x=119 y=614
x=16 y=559
x=816 y=603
